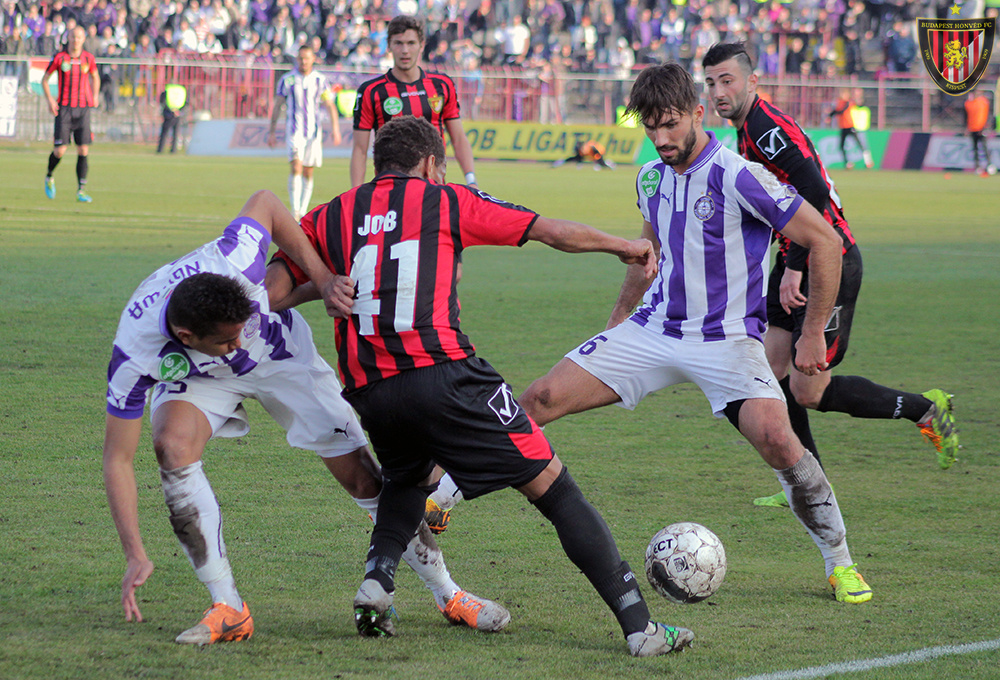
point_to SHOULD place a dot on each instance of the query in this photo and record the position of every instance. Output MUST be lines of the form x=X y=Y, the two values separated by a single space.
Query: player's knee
x=537 y=401
x=175 y=449
x=778 y=446
x=806 y=397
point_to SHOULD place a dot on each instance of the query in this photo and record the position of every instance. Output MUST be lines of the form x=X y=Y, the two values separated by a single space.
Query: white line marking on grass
x=919 y=656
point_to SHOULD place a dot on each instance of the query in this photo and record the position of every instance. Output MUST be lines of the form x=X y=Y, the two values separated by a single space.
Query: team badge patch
x=174 y=366
x=704 y=207
x=503 y=404
x=65 y=67
x=649 y=182
x=393 y=105
x=956 y=52
x=252 y=326
x=772 y=142
x=436 y=103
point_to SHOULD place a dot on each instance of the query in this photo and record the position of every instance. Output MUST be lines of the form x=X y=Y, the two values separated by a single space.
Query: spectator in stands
x=516 y=41
x=902 y=48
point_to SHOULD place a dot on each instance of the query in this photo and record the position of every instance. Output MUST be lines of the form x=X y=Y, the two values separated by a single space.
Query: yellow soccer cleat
x=939 y=429
x=849 y=586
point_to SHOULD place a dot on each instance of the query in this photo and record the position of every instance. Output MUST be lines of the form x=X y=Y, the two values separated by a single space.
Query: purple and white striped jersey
x=303 y=95
x=146 y=353
x=714 y=225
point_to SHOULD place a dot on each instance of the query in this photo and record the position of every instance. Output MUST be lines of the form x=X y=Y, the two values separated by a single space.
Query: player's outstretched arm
x=283 y=294
x=575 y=237
x=121 y=439
x=359 y=156
x=637 y=280
x=808 y=229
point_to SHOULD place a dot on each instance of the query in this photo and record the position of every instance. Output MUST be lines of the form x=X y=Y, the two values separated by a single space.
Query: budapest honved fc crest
x=956 y=52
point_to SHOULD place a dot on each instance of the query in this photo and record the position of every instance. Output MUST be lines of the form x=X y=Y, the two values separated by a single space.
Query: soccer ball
x=991 y=169
x=685 y=562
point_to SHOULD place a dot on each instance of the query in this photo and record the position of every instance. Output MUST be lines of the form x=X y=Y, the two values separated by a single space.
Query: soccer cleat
x=658 y=639
x=476 y=612
x=221 y=623
x=83 y=197
x=939 y=429
x=437 y=518
x=373 y=610
x=849 y=586
x=50 y=187
x=778 y=500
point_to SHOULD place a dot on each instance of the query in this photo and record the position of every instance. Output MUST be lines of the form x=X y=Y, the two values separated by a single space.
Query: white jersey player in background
x=302 y=90
x=710 y=213
x=199 y=331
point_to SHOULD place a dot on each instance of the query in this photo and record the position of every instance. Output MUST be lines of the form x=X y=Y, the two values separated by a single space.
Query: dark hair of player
x=403 y=142
x=720 y=52
x=662 y=88
x=404 y=23
x=201 y=302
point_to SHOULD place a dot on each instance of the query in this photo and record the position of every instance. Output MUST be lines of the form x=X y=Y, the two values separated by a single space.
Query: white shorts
x=634 y=361
x=308 y=151
x=302 y=394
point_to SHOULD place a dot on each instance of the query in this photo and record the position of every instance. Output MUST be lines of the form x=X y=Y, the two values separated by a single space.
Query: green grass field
x=926 y=540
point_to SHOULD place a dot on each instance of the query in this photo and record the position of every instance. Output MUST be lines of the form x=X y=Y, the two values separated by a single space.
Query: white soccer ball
x=991 y=169
x=685 y=562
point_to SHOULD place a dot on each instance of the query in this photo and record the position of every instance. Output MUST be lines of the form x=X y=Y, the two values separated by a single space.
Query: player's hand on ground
x=338 y=296
x=640 y=251
x=136 y=574
x=790 y=291
x=810 y=353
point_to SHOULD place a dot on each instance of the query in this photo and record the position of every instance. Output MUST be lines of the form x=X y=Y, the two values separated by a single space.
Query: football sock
x=862 y=398
x=401 y=510
x=588 y=543
x=448 y=494
x=814 y=504
x=295 y=193
x=81 y=170
x=306 y=196
x=799 y=416
x=197 y=521
x=53 y=162
x=424 y=557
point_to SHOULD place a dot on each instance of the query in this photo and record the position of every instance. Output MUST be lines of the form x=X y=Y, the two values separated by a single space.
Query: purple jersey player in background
x=703 y=317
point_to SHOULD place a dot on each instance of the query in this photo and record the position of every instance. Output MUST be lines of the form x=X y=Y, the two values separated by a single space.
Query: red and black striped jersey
x=399 y=238
x=75 y=87
x=432 y=96
x=772 y=138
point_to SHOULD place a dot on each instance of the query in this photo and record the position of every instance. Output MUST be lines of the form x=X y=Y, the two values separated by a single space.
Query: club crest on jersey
x=436 y=103
x=252 y=326
x=174 y=366
x=772 y=142
x=503 y=404
x=393 y=105
x=649 y=181
x=704 y=207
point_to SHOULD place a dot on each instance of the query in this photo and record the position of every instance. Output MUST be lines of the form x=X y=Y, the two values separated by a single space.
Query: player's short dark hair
x=201 y=302
x=404 y=23
x=720 y=52
x=403 y=142
x=662 y=88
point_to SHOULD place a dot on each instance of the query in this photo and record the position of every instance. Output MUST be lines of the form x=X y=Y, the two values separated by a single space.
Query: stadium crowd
x=819 y=37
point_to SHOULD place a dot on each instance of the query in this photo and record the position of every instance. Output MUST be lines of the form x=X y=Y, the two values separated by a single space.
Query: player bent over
x=200 y=332
x=422 y=393
x=702 y=320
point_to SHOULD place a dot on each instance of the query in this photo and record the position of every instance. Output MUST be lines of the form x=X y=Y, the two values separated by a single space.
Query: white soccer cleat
x=658 y=639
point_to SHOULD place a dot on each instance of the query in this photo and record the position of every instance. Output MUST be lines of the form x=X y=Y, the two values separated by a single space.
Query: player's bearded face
x=678 y=152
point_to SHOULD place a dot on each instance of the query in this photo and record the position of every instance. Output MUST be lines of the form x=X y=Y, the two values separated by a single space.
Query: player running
x=772 y=138
x=200 y=333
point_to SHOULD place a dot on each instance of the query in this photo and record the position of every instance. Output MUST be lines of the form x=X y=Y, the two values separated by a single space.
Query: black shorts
x=838 y=328
x=460 y=415
x=75 y=121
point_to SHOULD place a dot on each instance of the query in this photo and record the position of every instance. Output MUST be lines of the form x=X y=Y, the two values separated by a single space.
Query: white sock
x=307 y=192
x=197 y=521
x=295 y=194
x=448 y=494
x=814 y=504
x=369 y=505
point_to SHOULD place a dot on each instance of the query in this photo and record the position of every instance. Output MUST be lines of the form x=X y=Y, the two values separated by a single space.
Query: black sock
x=588 y=543
x=862 y=398
x=400 y=510
x=53 y=162
x=799 y=416
x=81 y=170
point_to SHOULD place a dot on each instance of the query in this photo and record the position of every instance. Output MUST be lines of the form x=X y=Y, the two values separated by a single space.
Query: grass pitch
x=926 y=540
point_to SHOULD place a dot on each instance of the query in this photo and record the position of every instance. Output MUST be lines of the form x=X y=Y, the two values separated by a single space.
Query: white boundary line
x=918 y=656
